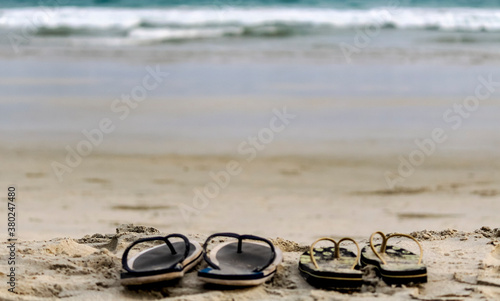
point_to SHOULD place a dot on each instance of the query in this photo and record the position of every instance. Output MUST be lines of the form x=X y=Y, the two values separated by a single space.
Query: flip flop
x=163 y=262
x=395 y=264
x=240 y=263
x=332 y=267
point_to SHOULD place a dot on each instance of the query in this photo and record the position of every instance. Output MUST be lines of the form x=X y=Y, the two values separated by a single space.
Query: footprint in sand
x=290 y=172
x=96 y=181
x=140 y=207
x=35 y=175
x=420 y=215
x=395 y=191
x=486 y=192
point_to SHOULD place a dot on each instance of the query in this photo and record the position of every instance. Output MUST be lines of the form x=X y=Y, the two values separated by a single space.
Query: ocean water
x=122 y=23
x=232 y=62
x=250 y=3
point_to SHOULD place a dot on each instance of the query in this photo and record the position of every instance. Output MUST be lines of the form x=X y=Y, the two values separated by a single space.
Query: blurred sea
x=350 y=69
x=125 y=22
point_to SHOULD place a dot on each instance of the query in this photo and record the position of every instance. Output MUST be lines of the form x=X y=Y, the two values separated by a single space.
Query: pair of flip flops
x=246 y=261
x=336 y=267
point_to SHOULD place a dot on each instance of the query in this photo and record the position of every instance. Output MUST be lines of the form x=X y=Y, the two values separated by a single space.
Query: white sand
x=296 y=198
x=461 y=266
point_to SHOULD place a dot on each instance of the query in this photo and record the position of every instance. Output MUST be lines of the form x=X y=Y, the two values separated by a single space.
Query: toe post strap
x=383 y=246
x=165 y=239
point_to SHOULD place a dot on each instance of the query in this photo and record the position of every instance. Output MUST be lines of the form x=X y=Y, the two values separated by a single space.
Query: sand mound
x=486 y=232
x=288 y=245
x=70 y=248
x=61 y=268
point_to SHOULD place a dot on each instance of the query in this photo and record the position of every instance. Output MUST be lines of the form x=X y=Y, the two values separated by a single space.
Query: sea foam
x=194 y=23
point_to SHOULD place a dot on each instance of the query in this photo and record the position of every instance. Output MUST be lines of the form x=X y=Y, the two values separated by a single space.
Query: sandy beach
x=70 y=247
x=295 y=197
x=290 y=120
x=461 y=266
x=208 y=165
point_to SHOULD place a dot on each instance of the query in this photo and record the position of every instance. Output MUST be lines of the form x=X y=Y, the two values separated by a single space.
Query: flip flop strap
x=383 y=246
x=240 y=247
x=337 y=249
x=167 y=242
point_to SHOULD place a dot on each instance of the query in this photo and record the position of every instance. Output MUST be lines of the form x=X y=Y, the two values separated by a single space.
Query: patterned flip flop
x=331 y=267
x=395 y=264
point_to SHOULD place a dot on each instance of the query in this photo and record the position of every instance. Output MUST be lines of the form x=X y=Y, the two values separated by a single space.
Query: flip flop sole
x=332 y=280
x=347 y=278
x=400 y=275
x=151 y=279
x=129 y=279
x=232 y=281
x=391 y=278
x=237 y=268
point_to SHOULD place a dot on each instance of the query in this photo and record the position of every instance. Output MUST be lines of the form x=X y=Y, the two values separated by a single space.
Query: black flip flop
x=241 y=263
x=396 y=265
x=332 y=267
x=163 y=262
